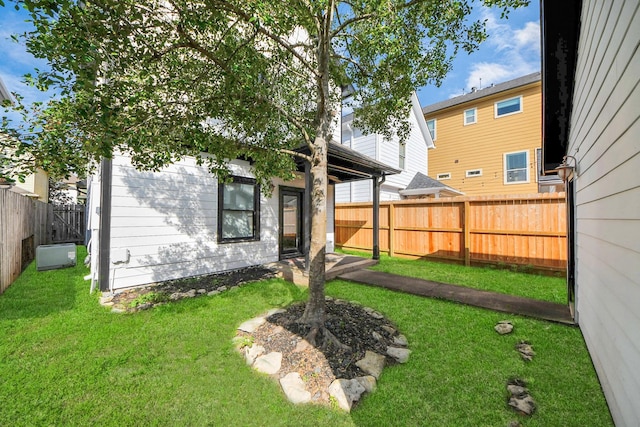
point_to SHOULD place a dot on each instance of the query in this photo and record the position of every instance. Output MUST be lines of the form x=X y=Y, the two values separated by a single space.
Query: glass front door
x=290 y=222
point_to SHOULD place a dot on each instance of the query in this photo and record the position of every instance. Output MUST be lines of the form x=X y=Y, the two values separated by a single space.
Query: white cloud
x=516 y=52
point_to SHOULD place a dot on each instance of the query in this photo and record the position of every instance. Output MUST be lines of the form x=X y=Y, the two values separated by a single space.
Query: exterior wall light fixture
x=564 y=169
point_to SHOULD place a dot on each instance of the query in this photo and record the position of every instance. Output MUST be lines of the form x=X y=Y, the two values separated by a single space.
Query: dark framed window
x=239 y=210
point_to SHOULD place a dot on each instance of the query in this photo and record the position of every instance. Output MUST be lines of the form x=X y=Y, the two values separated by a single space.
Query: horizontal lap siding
x=482 y=145
x=605 y=140
x=168 y=222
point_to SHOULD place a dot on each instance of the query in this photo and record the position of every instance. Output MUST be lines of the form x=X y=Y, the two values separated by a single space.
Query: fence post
x=392 y=238
x=467 y=233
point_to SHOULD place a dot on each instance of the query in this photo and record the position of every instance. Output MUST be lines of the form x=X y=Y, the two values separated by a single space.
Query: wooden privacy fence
x=68 y=223
x=528 y=230
x=23 y=226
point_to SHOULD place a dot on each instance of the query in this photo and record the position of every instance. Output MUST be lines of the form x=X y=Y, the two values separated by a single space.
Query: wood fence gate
x=68 y=224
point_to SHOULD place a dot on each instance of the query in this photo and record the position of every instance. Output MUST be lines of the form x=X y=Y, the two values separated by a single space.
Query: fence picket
x=525 y=229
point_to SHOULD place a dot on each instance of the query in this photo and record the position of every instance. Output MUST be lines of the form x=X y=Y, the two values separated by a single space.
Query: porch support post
x=376 y=218
x=306 y=216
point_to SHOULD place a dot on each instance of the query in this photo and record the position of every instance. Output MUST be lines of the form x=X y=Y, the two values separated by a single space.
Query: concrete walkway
x=478 y=298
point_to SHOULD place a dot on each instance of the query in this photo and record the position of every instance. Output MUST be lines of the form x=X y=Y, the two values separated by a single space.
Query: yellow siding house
x=488 y=141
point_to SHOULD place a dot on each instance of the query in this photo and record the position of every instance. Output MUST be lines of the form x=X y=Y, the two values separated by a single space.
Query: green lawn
x=547 y=288
x=65 y=360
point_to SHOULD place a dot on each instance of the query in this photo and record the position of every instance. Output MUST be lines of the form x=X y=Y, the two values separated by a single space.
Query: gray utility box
x=49 y=257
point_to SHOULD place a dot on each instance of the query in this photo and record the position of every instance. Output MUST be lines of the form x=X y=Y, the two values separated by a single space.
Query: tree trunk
x=314 y=314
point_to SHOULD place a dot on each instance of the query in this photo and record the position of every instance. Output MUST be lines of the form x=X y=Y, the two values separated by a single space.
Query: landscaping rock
x=372 y=363
x=145 y=306
x=368 y=382
x=524 y=405
x=516 y=390
x=376 y=336
x=525 y=350
x=212 y=293
x=401 y=355
x=251 y=353
x=346 y=392
x=175 y=296
x=520 y=399
x=252 y=324
x=294 y=389
x=190 y=294
x=400 y=340
x=222 y=288
x=390 y=329
x=269 y=363
x=504 y=327
x=201 y=291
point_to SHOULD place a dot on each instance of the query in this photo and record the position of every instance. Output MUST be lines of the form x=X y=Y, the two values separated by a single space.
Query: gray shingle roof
x=491 y=90
x=423 y=181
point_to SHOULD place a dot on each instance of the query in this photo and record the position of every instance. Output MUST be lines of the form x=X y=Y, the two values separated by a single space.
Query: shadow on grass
x=38 y=294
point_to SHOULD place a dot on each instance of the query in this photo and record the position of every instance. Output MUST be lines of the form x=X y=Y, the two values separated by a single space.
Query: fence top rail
x=462 y=199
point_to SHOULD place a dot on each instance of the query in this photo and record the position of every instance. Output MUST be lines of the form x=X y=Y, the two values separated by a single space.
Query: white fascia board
x=422 y=123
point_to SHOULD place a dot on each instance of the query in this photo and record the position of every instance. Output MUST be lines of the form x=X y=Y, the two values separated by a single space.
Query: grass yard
x=546 y=288
x=65 y=360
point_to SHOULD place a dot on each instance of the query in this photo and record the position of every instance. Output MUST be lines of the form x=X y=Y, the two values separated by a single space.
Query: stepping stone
x=524 y=405
x=504 y=327
x=269 y=363
x=251 y=325
x=372 y=363
x=294 y=389
x=525 y=350
x=346 y=392
x=401 y=355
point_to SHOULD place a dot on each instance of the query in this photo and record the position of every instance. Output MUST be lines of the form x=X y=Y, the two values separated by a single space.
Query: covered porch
x=344 y=165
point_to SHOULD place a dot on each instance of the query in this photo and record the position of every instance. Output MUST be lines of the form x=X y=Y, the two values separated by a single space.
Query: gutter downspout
x=104 y=232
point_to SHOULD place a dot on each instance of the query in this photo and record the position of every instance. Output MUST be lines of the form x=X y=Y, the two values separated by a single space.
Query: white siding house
x=410 y=162
x=600 y=132
x=148 y=227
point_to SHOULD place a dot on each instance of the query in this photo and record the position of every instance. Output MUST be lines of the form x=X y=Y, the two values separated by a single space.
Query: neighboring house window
x=402 y=150
x=516 y=168
x=469 y=116
x=508 y=106
x=442 y=176
x=431 y=125
x=239 y=210
x=473 y=172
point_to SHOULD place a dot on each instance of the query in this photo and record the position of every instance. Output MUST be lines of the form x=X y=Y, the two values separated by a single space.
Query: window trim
x=475 y=116
x=435 y=125
x=256 y=210
x=468 y=175
x=443 y=176
x=495 y=107
x=505 y=171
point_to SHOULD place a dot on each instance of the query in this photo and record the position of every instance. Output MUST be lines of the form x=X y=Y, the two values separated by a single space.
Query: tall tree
x=162 y=79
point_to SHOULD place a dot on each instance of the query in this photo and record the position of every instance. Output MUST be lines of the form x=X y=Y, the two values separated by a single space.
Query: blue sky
x=512 y=50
